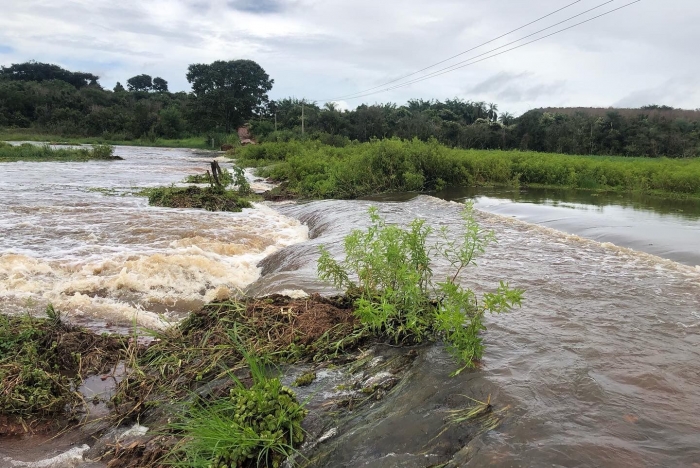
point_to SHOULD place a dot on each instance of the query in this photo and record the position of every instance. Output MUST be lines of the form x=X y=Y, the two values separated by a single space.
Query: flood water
x=600 y=367
x=74 y=235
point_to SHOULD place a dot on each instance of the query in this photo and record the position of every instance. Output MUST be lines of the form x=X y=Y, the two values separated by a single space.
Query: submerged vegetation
x=208 y=198
x=30 y=152
x=216 y=197
x=389 y=272
x=313 y=170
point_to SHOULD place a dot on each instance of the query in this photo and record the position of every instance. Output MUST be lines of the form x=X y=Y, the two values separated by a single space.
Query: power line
x=351 y=96
x=472 y=61
x=459 y=54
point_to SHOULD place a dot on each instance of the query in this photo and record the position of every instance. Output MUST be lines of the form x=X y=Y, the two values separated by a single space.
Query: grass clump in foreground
x=42 y=362
x=259 y=425
x=314 y=170
x=30 y=152
x=388 y=270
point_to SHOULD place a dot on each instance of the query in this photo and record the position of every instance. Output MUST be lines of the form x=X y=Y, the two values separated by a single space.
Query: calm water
x=600 y=367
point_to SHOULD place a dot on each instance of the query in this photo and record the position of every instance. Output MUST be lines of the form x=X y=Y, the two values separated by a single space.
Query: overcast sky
x=323 y=49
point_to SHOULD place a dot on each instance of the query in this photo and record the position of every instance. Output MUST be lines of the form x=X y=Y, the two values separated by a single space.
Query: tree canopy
x=228 y=92
x=140 y=83
x=160 y=85
x=37 y=71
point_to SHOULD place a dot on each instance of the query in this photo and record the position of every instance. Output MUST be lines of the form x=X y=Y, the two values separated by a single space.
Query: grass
x=215 y=365
x=256 y=425
x=313 y=170
x=35 y=153
x=43 y=361
x=208 y=198
x=207 y=345
x=31 y=135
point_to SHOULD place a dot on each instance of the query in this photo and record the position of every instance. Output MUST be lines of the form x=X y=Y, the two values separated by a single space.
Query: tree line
x=651 y=131
x=226 y=94
x=52 y=100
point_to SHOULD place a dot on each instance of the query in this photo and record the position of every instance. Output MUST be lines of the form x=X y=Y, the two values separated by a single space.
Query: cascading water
x=600 y=367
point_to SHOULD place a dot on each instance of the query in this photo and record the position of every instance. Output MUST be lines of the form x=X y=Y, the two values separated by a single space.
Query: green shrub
x=388 y=270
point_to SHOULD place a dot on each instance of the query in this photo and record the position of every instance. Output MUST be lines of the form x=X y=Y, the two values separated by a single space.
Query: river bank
x=312 y=170
x=19 y=135
x=33 y=153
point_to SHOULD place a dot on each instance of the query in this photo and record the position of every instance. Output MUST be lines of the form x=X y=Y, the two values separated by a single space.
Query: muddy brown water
x=600 y=367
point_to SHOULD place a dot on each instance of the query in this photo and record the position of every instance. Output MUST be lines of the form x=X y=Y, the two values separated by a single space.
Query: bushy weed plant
x=258 y=425
x=388 y=269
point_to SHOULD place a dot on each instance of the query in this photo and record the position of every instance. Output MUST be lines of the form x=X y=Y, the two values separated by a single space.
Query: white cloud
x=324 y=49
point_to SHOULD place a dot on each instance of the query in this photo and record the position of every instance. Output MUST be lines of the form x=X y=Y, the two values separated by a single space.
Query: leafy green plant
x=388 y=270
x=258 y=425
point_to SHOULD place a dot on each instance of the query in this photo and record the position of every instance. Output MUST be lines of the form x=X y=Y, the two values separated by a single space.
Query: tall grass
x=315 y=170
x=199 y=142
x=30 y=152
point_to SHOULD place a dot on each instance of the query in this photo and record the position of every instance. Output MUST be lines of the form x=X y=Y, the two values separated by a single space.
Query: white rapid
x=74 y=235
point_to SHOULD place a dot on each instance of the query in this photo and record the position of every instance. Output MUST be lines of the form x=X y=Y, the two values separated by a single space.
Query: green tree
x=160 y=85
x=118 y=88
x=37 y=71
x=140 y=83
x=228 y=92
x=506 y=118
x=492 y=112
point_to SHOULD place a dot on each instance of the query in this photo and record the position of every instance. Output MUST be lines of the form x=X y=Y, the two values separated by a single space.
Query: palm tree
x=492 y=112
x=331 y=106
x=480 y=109
x=506 y=118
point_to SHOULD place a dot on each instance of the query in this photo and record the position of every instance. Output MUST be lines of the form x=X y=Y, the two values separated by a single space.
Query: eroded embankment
x=210 y=360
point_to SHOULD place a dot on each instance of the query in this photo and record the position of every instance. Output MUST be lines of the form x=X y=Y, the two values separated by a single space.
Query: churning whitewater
x=74 y=235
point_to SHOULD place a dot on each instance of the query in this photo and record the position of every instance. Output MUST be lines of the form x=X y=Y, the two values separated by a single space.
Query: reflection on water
x=665 y=227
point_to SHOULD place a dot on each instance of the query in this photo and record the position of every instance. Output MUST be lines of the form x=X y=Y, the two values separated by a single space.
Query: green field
x=313 y=170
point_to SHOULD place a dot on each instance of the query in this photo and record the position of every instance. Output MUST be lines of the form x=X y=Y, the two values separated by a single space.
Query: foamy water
x=74 y=235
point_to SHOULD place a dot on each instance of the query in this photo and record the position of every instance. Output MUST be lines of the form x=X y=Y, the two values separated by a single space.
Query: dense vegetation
x=314 y=170
x=50 y=100
x=651 y=131
x=29 y=152
x=47 y=99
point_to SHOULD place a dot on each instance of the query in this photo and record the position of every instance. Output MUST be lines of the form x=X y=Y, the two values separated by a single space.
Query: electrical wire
x=461 y=53
x=472 y=61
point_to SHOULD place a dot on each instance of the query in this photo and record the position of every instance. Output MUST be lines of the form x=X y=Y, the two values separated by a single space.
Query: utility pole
x=302 y=117
x=275 y=121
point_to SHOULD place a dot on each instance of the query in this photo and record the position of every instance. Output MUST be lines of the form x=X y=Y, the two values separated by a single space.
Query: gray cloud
x=256 y=6
x=319 y=49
